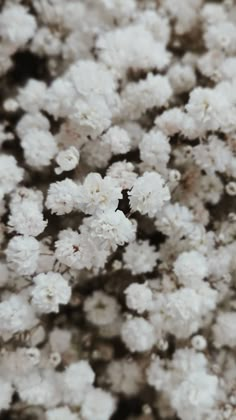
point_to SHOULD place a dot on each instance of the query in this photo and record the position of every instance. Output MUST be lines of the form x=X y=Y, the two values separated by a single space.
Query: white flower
x=22 y=254
x=62 y=196
x=17 y=25
x=181 y=312
x=118 y=139
x=39 y=147
x=138 y=334
x=30 y=122
x=10 y=174
x=213 y=156
x=131 y=46
x=138 y=297
x=92 y=78
x=191 y=268
x=16 y=315
x=98 y=194
x=182 y=78
x=149 y=194
x=60 y=98
x=50 y=290
x=196 y=394
x=40 y=388
x=79 y=251
x=31 y=97
x=199 y=342
x=26 y=219
x=77 y=379
x=209 y=108
x=155 y=149
x=221 y=35
x=22 y=195
x=123 y=173
x=46 y=41
x=67 y=160
x=175 y=220
x=140 y=257
x=157 y=376
x=97 y=405
x=158 y=25
x=112 y=228
x=101 y=309
x=224 y=331
x=125 y=376
x=213 y=13
x=92 y=116
x=154 y=91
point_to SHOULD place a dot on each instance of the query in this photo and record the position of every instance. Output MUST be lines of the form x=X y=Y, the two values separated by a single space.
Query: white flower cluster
x=117 y=208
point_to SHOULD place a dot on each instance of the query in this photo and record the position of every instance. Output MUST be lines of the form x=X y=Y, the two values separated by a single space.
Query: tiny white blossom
x=50 y=290
x=138 y=334
x=23 y=254
x=140 y=257
x=39 y=147
x=111 y=228
x=101 y=309
x=16 y=315
x=26 y=219
x=67 y=160
x=98 y=405
x=62 y=196
x=155 y=149
x=123 y=173
x=31 y=97
x=149 y=194
x=17 y=26
x=139 y=297
x=77 y=379
x=118 y=139
x=98 y=194
x=191 y=267
x=10 y=174
x=79 y=251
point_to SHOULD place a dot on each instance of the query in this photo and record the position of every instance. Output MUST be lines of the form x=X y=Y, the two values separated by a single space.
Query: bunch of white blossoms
x=117 y=207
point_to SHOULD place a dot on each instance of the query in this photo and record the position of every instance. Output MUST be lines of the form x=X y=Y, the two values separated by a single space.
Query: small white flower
x=77 y=379
x=23 y=254
x=62 y=196
x=140 y=257
x=17 y=25
x=138 y=334
x=10 y=174
x=149 y=194
x=98 y=194
x=191 y=268
x=118 y=139
x=67 y=160
x=139 y=297
x=39 y=147
x=111 y=228
x=97 y=405
x=50 y=291
x=101 y=309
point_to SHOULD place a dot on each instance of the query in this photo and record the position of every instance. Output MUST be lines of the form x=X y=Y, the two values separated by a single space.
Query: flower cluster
x=117 y=208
